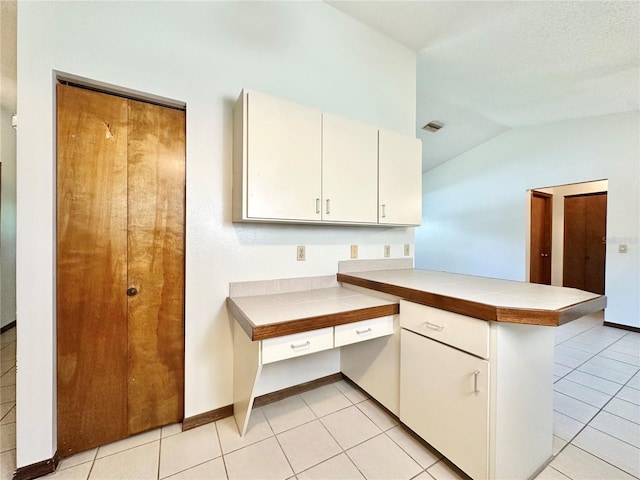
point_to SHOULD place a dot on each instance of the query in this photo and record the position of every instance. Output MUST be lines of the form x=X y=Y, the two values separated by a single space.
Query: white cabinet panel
x=364 y=330
x=296 y=345
x=349 y=170
x=466 y=333
x=444 y=398
x=399 y=179
x=283 y=159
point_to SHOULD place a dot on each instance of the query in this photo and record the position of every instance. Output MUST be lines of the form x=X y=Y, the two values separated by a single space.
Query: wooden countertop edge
x=279 y=329
x=482 y=311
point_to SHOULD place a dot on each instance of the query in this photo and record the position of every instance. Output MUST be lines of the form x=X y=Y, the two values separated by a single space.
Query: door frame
x=548 y=220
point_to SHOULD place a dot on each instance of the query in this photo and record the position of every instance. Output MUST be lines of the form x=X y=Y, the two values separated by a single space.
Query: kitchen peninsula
x=465 y=362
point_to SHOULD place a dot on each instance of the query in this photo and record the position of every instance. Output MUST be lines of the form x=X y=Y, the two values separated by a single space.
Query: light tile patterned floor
x=337 y=432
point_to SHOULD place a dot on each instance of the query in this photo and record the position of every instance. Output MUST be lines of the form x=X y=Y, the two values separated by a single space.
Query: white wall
x=557 y=222
x=474 y=206
x=203 y=54
x=8 y=98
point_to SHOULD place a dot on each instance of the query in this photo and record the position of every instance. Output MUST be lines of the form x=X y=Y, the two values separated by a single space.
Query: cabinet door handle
x=363 y=332
x=302 y=345
x=317 y=205
x=384 y=210
x=434 y=326
x=475 y=382
x=328 y=206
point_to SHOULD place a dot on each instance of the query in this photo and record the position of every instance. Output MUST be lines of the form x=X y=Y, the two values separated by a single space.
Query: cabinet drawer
x=296 y=345
x=364 y=330
x=466 y=333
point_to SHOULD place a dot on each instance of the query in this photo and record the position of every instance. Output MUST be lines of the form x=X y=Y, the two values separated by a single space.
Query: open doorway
x=576 y=227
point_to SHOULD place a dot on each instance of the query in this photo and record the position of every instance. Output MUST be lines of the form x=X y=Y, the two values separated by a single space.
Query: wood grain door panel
x=540 y=238
x=156 y=266
x=91 y=269
x=585 y=230
x=120 y=211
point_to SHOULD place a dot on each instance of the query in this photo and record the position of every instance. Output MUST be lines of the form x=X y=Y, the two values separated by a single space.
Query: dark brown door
x=540 y=238
x=120 y=211
x=585 y=232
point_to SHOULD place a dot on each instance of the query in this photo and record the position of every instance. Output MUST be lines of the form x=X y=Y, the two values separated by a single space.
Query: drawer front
x=296 y=345
x=364 y=330
x=462 y=332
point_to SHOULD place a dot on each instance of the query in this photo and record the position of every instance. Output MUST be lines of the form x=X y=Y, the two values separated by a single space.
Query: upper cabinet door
x=399 y=179
x=349 y=170
x=283 y=159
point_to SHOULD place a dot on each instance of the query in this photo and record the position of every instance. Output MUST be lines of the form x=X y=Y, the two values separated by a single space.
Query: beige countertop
x=274 y=315
x=482 y=297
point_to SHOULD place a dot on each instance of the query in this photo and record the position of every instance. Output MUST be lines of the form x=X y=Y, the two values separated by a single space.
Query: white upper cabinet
x=283 y=159
x=349 y=170
x=292 y=163
x=399 y=179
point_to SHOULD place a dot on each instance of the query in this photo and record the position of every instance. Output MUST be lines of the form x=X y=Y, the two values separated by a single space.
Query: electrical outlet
x=407 y=249
x=300 y=254
x=387 y=251
x=354 y=251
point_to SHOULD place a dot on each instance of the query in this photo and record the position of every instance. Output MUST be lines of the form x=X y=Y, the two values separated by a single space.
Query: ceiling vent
x=433 y=126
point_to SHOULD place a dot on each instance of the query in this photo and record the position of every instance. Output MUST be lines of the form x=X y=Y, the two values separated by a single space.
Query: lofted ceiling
x=485 y=67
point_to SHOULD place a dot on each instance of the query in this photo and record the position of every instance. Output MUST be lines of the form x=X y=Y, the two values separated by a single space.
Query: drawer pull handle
x=434 y=326
x=475 y=382
x=364 y=332
x=302 y=345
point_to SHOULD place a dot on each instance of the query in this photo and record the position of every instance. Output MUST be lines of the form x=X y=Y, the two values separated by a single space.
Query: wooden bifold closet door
x=120 y=267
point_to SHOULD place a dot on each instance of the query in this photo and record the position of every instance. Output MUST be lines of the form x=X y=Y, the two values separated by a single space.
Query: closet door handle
x=132 y=292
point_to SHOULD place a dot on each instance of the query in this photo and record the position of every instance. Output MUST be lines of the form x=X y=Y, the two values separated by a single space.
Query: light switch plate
x=407 y=249
x=387 y=251
x=300 y=253
x=354 y=251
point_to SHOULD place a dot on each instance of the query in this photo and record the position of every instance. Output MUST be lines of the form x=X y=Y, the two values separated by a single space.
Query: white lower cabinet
x=444 y=398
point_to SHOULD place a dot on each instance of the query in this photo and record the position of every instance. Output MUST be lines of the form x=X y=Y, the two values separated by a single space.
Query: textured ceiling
x=486 y=67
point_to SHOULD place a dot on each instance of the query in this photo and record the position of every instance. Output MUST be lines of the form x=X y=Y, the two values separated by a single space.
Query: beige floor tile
x=632 y=359
x=308 y=445
x=582 y=393
x=139 y=463
x=325 y=400
x=565 y=427
x=288 y=413
x=422 y=476
x=635 y=381
x=618 y=427
x=609 y=369
x=261 y=461
x=5 y=410
x=585 y=347
x=336 y=468
x=77 y=472
x=211 y=470
x=560 y=370
x=350 y=427
x=558 y=444
x=573 y=408
x=616 y=452
x=381 y=458
x=188 y=449
x=7 y=464
x=127 y=443
x=170 y=430
x=416 y=450
x=8 y=394
x=592 y=381
x=382 y=419
x=443 y=471
x=8 y=378
x=352 y=393
x=578 y=464
x=629 y=394
x=257 y=430
x=7 y=437
x=6 y=365
x=77 y=459
x=551 y=473
x=623 y=409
